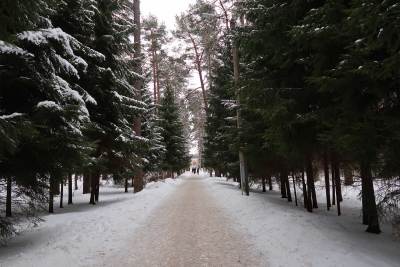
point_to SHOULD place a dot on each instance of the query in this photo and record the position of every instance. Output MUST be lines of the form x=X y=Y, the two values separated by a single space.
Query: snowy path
x=188 y=229
x=198 y=221
x=81 y=234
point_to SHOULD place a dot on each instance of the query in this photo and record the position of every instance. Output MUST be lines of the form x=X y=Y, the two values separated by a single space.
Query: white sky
x=165 y=10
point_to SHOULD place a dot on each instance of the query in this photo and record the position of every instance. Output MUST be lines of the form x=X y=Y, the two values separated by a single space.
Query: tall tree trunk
x=61 y=194
x=283 y=186
x=305 y=193
x=333 y=184
x=337 y=186
x=310 y=178
x=285 y=177
x=263 y=184
x=198 y=61
x=126 y=185
x=92 y=180
x=69 y=188
x=327 y=186
x=86 y=183
x=294 y=188
x=137 y=126
x=236 y=74
x=270 y=182
x=368 y=193
x=51 y=194
x=97 y=191
x=338 y=183
x=154 y=59
x=8 y=197
x=76 y=182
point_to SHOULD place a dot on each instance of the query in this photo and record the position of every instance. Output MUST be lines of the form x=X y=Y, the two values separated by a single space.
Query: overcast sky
x=165 y=10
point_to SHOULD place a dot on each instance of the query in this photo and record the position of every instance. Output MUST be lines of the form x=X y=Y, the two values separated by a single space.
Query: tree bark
x=61 y=194
x=126 y=185
x=283 y=186
x=92 y=189
x=137 y=126
x=76 y=182
x=263 y=184
x=333 y=184
x=86 y=183
x=285 y=177
x=8 y=197
x=368 y=193
x=310 y=181
x=294 y=188
x=70 y=189
x=198 y=59
x=270 y=182
x=327 y=186
x=335 y=166
x=97 y=188
x=51 y=194
x=305 y=193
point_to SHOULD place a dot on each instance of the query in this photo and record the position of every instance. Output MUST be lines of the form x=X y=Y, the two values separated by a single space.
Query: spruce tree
x=176 y=156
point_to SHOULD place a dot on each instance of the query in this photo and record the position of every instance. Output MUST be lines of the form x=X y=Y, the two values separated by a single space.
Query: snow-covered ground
x=82 y=234
x=276 y=232
x=287 y=235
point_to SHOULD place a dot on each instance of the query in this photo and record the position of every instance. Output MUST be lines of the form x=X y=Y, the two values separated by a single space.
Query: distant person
x=194 y=170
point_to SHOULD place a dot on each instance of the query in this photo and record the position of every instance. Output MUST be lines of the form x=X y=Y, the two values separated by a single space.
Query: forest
x=310 y=92
x=73 y=104
x=289 y=94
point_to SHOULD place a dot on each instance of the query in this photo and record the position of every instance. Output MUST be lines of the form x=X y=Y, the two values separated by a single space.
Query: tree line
x=74 y=102
x=318 y=91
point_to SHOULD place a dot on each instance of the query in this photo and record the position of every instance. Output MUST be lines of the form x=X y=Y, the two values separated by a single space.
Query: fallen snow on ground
x=287 y=235
x=82 y=234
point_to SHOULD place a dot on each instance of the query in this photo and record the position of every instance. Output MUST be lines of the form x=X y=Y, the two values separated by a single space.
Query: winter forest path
x=188 y=229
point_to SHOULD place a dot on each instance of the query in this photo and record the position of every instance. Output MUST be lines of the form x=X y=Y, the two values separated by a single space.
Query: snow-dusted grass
x=287 y=235
x=82 y=234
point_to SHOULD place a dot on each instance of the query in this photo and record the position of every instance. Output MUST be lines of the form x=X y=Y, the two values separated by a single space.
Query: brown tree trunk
x=305 y=193
x=285 y=177
x=368 y=193
x=126 y=185
x=137 y=126
x=294 y=188
x=97 y=188
x=270 y=182
x=8 y=197
x=92 y=180
x=333 y=184
x=61 y=194
x=337 y=186
x=263 y=182
x=327 y=186
x=283 y=186
x=86 y=183
x=310 y=180
x=69 y=188
x=76 y=182
x=51 y=194
x=198 y=61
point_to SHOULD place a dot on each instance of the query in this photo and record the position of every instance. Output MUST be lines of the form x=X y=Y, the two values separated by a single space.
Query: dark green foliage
x=176 y=156
x=317 y=78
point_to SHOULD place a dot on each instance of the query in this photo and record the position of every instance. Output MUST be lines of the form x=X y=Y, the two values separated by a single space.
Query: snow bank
x=82 y=234
x=289 y=236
